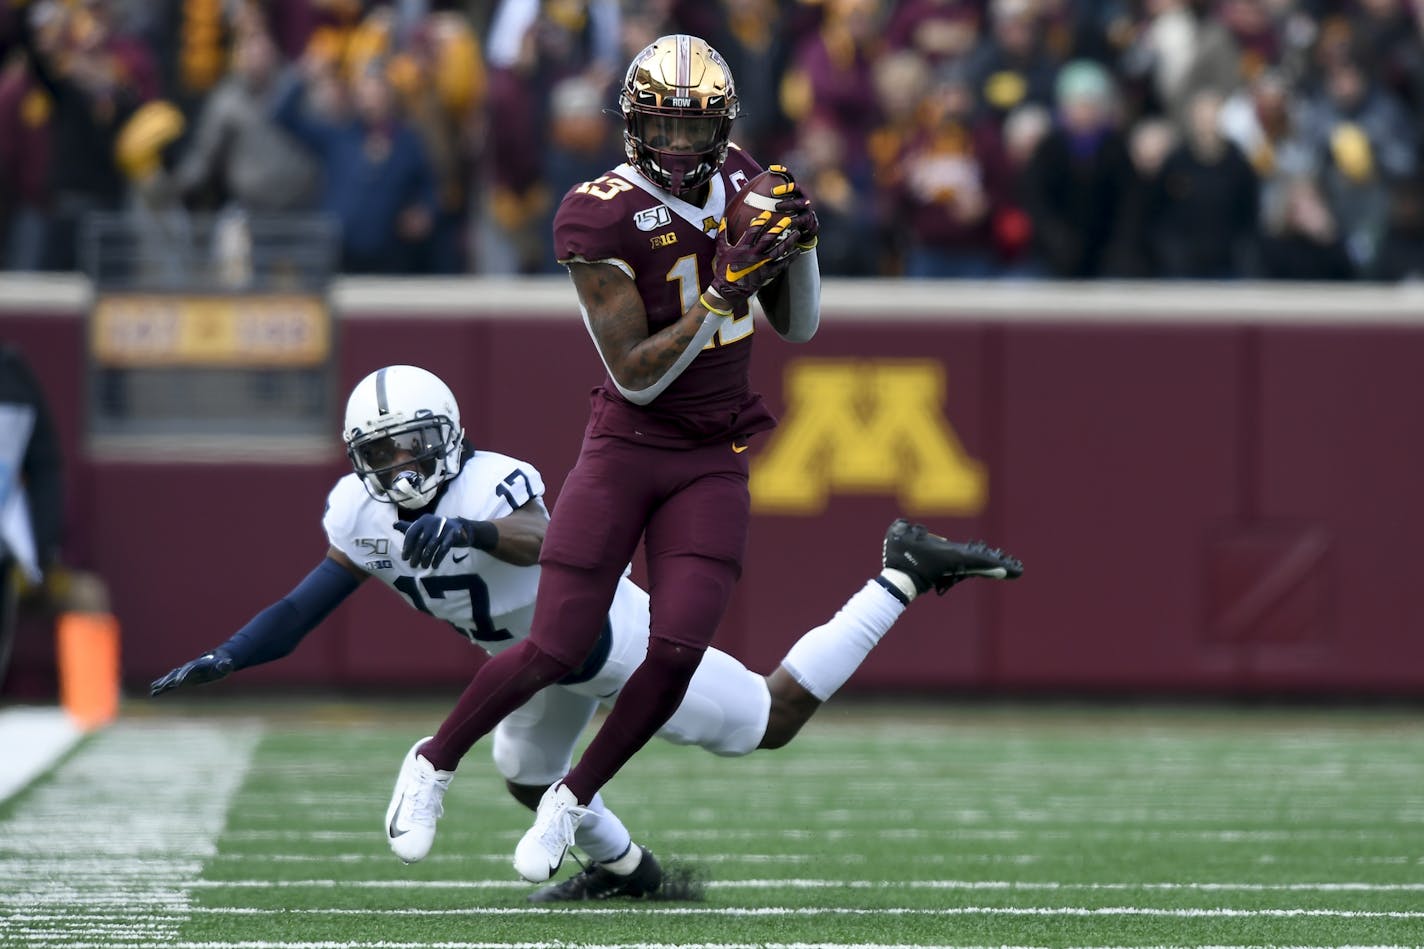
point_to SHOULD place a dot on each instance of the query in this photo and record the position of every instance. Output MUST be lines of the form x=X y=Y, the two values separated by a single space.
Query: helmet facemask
x=678 y=103
x=406 y=463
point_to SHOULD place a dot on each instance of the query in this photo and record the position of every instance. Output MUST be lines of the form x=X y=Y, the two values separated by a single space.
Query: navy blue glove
x=429 y=538
x=209 y=667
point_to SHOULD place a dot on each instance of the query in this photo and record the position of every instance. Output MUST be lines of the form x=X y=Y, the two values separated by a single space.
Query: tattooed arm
x=641 y=365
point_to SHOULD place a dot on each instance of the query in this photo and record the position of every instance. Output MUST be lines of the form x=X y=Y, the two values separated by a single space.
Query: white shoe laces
x=427 y=798
x=562 y=820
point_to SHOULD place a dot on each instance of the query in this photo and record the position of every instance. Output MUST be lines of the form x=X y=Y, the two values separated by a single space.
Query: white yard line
x=957 y=834
x=387 y=944
x=816 y=884
x=640 y=945
x=124 y=825
x=1070 y=833
x=33 y=739
x=734 y=912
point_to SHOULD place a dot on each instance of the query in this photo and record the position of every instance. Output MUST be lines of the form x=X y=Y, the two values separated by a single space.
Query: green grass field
x=247 y=826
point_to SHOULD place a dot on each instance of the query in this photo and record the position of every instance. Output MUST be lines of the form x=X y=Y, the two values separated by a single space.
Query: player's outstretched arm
x=275 y=631
x=515 y=538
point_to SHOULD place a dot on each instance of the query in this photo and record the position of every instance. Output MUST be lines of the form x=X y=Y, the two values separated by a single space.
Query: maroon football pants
x=692 y=507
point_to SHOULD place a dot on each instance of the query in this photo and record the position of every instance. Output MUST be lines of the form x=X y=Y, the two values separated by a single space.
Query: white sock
x=902 y=581
x=822 y=660
x=601 y=834
x=625 y=864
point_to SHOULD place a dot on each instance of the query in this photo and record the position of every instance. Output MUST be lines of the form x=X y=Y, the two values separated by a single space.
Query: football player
x=457 y=533
x=664 y=294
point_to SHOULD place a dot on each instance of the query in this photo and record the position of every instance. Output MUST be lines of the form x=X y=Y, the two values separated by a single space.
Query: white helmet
x=403 y=409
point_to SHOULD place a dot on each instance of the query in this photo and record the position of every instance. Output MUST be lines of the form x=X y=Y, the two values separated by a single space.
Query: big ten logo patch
x=866 y=427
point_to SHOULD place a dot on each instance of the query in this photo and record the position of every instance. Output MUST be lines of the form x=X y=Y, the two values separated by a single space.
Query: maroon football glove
x=743 y=268
x=797 y=205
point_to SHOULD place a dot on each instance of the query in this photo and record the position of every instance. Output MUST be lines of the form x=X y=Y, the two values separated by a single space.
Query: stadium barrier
x=1215 y=489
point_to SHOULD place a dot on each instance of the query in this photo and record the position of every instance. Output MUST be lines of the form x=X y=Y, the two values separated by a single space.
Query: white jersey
x=488 y=601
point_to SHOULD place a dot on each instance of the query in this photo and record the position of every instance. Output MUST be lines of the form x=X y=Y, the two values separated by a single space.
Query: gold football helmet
x=678 y=103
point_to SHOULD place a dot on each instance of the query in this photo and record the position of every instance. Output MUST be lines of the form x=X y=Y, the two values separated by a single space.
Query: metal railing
x=236 y=252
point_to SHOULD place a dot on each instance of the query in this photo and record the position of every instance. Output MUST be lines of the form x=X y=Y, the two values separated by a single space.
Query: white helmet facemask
x=403 y=435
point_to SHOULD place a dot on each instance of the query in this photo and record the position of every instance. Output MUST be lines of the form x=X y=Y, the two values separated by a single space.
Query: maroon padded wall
x=1213 y=508
x=1121 y=451
x=1339 y=471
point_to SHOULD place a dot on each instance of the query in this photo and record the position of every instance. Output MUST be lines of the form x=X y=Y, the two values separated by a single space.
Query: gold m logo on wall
x=866 y=427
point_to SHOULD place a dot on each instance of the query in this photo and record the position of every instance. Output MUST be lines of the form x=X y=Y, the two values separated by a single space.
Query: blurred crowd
x=1212 y=139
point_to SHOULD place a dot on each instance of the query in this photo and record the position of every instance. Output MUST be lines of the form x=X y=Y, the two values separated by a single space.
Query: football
x=754 y=198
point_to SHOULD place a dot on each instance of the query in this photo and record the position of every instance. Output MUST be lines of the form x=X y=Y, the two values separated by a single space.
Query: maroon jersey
x=666 y=245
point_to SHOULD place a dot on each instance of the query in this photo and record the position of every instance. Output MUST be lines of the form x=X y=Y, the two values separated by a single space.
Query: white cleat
x=416 y=806
x=541 y=850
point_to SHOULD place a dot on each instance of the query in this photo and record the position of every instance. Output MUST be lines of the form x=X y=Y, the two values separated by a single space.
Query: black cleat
x=597 y=883
x=932 y=561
